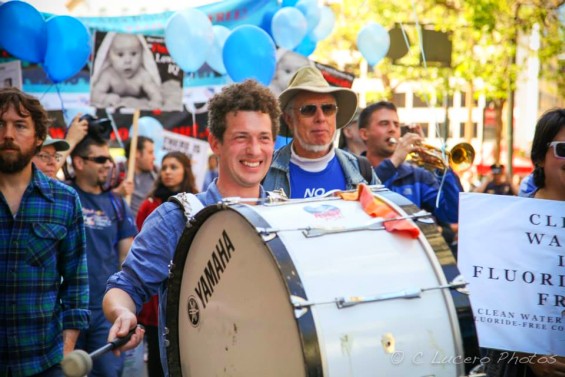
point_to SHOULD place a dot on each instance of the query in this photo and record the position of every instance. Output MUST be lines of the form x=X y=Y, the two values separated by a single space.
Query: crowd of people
x=82 y=266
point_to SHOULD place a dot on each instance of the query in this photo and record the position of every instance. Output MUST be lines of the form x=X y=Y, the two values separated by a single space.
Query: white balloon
x=288 y=26
x=311 y=11
x=215 y=57
x=373 y=41
x=325 y=26
x=189 y=36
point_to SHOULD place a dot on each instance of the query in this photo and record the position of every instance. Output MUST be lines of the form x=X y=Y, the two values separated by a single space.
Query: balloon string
x=425 y=64
x=426 y=99
x=406 y=40
x=60 y=99
x=45 y=92
x=193 y=111
x=420 y=38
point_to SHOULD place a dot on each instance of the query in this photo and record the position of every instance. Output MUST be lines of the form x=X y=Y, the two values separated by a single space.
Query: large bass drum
x=309 y=288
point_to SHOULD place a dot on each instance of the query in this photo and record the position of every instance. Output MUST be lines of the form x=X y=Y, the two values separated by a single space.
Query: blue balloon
x=68 y=47
x=306 y=47
x=150 y=127
x=189 y=36
x=289 y=27
x=325 y=26
x=311 y=11
x=250 y=53
x=22 y=31
x=215 y=57
x=289 y=3
x=373 y=41
x=267 y=21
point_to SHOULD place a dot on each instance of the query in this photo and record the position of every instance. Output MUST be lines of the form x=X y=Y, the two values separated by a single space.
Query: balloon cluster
x=247 y=51
x=244 y=52
x=300 y=25
x=61 y=44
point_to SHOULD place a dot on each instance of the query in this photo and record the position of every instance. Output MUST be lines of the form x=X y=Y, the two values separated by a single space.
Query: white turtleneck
x=312 y=165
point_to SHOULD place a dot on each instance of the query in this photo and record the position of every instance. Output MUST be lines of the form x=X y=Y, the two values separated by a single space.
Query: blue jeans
x=106 y=365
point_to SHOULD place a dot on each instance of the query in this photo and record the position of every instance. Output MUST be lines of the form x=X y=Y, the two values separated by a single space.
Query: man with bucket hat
x=311 y=165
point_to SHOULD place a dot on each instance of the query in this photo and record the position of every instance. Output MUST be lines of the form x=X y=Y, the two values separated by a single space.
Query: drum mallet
x=78 y=363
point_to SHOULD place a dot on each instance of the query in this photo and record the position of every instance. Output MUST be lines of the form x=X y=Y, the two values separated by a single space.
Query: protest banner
x=196 y=150
x=11 y=74
x=512 y=254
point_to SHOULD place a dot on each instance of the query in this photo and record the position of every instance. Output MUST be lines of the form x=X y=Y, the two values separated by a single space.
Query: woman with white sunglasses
x=548 y=157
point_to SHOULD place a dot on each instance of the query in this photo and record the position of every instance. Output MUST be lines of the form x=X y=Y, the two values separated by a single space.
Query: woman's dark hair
x=187 y=184
x=547 y=127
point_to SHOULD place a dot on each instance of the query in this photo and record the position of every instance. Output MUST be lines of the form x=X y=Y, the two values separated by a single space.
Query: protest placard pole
x=132 y=151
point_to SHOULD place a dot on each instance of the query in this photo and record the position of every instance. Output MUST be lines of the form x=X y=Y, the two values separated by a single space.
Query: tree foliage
x=485 y=34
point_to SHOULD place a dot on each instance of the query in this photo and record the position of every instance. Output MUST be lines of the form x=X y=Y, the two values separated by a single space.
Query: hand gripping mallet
x=78 y=363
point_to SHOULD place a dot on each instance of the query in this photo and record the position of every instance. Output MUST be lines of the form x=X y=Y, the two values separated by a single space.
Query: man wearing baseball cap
x=496 y=182
x=310 y=166
x=48 y=158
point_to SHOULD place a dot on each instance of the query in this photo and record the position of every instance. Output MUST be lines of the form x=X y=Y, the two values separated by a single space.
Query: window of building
x=425 y=129
x=399 y=99
x=475 y=130
x=419 y=101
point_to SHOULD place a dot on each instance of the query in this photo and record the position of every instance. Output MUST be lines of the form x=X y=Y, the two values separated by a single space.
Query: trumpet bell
x=461 y=157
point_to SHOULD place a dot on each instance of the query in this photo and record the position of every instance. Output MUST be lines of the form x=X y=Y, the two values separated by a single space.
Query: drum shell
x=249 y=316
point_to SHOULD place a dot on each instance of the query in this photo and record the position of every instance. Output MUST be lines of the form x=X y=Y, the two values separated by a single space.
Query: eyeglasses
x=558 y=148
x=46 y=157
x=97 y=159
x=310 y=110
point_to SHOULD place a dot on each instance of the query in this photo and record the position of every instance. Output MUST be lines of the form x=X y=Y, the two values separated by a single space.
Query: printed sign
x=136 y=72
x=512 y=254
x=195 y=149
x=11 y=75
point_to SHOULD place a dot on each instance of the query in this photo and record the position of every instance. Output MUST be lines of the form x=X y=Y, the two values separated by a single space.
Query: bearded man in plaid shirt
x=43 y=278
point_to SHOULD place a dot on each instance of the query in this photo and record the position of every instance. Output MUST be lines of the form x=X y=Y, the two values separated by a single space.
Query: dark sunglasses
x=309 y=110
x=97 y=159
x=558 y=148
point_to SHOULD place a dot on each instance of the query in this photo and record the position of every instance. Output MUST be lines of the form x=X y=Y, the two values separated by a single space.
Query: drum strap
x=189 y=203
x=365 y=168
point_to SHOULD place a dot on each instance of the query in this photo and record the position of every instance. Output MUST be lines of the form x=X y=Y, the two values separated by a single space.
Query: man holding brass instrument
x=387 y=151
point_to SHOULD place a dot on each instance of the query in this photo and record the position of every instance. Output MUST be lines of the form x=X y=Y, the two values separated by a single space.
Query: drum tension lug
x=268 y=236
x=191 y=222
x=166 y=342
x=171 y=267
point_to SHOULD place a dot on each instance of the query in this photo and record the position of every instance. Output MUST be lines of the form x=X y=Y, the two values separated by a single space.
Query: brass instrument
x=459 y=158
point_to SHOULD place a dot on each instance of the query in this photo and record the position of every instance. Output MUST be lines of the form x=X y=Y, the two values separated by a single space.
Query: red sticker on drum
x=193 y=311
x=324 y=211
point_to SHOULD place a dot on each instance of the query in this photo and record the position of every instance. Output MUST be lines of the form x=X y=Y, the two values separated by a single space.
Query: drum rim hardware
x=279 y=197
x=309 y=232
x=347 y=302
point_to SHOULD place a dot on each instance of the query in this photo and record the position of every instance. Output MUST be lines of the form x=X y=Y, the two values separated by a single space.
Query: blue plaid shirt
x=43 y=276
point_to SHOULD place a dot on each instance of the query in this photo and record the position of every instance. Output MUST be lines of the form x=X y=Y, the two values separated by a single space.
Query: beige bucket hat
x=310 y=79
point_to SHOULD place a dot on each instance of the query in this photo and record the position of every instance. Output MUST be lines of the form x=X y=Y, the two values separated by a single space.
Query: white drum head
x=234 y=313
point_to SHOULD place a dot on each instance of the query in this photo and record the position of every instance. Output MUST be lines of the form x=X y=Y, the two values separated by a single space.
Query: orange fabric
x=375 y=207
